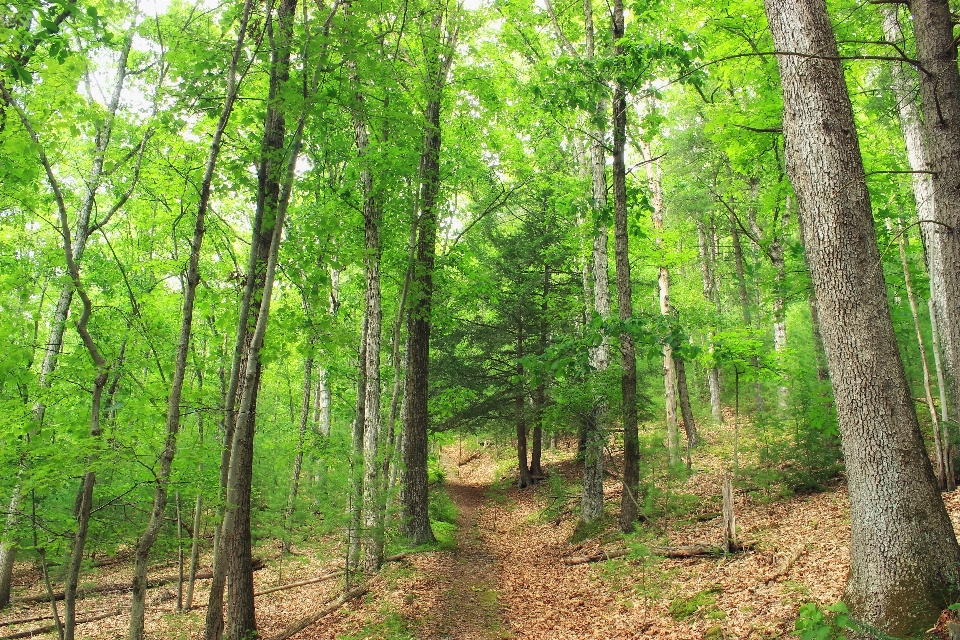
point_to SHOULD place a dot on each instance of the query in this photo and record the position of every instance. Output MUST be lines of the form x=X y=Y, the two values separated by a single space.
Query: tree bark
x=519 y=402
x=439 y=56
x=663 y=280
x=298 y=460
x=940 y=451
x=705 y=241
x=903 y=552
x=194 y=551
x=595 y=423
x=629 y=509
x=8 y=547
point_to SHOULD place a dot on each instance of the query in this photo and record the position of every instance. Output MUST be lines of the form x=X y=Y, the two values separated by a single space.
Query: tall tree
x=439 y=45
x=903 y=551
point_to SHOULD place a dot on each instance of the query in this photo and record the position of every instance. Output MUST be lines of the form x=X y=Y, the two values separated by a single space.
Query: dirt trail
x=469 y=609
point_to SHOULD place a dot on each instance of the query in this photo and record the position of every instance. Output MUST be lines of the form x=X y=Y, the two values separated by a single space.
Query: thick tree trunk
x=903 y=551
x=629 y=506
x=439 y=56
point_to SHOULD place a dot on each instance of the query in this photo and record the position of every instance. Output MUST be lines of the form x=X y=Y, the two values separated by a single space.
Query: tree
x=903 y=552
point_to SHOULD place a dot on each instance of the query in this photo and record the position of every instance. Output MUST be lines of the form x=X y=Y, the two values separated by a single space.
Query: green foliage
x=826 y=623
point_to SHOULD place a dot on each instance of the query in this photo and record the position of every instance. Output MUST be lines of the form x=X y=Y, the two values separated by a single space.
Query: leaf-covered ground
x=507 y=577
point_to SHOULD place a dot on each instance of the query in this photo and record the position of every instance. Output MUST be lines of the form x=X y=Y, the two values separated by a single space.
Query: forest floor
x=504 y=574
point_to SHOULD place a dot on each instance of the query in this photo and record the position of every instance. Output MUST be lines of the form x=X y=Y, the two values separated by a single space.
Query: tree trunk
x=298 y=460
x=629 y=509
x=689 y=423
x=149 y=537
x=324 y=406
x=903 y=552
x=705 y=241
x=540 y=393
x=520 y=400
x=940 y=105
x=438 y=53
x=663 y=279
x=372 y=508
x=595 y=424
x=194 y=552
x=8 y=547
x=941 y=454
x=355 y=506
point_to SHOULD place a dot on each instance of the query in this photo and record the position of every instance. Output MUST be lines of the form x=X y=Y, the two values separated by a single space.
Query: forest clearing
x=677 y=281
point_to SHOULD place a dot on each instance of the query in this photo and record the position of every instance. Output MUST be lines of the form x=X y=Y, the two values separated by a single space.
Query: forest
x=479 y=319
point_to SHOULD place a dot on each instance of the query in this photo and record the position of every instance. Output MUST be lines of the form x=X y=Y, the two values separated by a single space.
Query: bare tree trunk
x=595 y=424
x=372 y=507
x=903 y=551
x=941 y=387
x=540 y=393
x=520 y=400
x=298 y=460
x=194 y=551
x=8 y=548
x=689 y=422
x=709 y=292
x=925 y=196
x=438 y=53
x=149 y=537
x=940 y=450
x=629 y=510
x=669 y=368
x=324 y=406
x=355 y=506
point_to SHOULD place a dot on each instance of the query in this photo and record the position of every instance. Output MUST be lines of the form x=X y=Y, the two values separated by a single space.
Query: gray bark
x=903 y=552
x=705 y=239
x=595 y=427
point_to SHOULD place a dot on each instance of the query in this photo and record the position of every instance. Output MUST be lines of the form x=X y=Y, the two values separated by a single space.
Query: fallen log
x=116 y=587
x=783 y=570
x=313 y=618
x=47 y=629
x=684 y=551
x=302 y=583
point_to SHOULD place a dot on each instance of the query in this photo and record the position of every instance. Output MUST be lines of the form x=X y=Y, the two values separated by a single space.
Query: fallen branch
x=117 y=587
x=47 y=629
x=787 y=565
x=302 y=583
x=470 y=458
x=313 y=618
x=10 y=623
x=685 y=551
